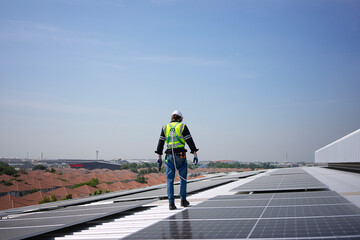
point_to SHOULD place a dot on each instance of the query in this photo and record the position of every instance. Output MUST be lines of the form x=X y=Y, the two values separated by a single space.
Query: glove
x=196 y=160
x=159 y=162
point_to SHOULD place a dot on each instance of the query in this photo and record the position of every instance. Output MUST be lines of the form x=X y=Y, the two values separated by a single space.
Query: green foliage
x=265 y=165
x=48 y=199
x=129 y=166
x=141 y=179
x=6 y=183
x=92 y=182
x=45 y=200
x=8 y=170
x=23 y=171
x=69 y=196
x=53 y=198
x=34 y=190
x=52 y=170
x=134 y=170
x=148 y=170
x=39 y=167
x=15 y=179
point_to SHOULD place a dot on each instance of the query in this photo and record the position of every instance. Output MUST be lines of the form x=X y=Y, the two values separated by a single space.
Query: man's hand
x=159 y=162
x=196 y=160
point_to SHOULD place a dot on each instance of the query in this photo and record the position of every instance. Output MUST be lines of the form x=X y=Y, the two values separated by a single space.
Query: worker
x=176 y=134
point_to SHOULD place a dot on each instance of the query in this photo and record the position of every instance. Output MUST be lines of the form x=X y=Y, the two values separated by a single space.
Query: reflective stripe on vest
x=173 y=134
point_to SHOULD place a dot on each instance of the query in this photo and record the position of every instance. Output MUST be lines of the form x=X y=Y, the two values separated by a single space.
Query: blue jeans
x=180 y=160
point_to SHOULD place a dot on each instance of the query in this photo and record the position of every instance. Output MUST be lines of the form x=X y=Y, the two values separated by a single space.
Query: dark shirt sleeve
x=160 y=146
x=189 y=140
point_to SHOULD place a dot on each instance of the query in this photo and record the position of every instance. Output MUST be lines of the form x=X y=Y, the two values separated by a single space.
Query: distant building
x=80 y=163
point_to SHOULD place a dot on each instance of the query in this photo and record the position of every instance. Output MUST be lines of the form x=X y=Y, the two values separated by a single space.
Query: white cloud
x=332 y=101
x=33 y=31
x=113 y=65
x=182 y=60
x=246 y=76
x=57 y=108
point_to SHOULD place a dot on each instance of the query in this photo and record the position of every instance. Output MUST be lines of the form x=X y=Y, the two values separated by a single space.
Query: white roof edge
x=347 y=136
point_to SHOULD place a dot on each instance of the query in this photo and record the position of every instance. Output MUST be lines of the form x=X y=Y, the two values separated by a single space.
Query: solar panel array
x=282 y=180
x=77 y=201
x=192 y=187
x=132 y=194
x=296 y=215
x=44 y=218
x=33 y=224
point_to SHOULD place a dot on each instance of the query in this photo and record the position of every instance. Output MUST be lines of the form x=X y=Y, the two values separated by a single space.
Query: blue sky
x=254 y=79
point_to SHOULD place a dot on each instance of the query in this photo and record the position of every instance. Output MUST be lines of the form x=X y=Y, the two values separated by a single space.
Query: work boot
x=185 y=203
x=172 y=206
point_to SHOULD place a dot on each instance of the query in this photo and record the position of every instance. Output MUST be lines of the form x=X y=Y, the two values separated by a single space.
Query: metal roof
x=224 y=208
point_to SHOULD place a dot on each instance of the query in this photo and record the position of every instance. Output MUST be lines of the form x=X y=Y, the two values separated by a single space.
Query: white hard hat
x=177 y=112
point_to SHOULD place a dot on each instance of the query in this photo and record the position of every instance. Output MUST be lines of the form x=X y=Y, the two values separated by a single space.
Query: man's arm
x=189 y=141
x=160 y=146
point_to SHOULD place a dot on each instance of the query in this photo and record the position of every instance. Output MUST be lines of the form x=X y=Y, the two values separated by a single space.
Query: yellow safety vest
x=173 y=134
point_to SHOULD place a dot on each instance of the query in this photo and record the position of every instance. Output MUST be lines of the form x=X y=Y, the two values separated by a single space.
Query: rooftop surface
x=328 y=212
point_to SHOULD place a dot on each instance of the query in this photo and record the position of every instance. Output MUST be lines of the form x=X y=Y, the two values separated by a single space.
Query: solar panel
x=307 y=227
x=310 y=211
x=33 y=224
x=77 y=201
x=281 y=183
x=234 y=203
x=162 y=193
x=307 y=201
x=209 y=229
x=218 y=213
x=288 y=171
x=243 y=196
x=277 y=215
x=311 y=194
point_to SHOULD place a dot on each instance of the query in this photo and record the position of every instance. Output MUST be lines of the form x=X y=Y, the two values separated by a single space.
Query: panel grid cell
x=235 y=203
x=307 y=227
x=310 y=211
x=308 y=201
x=218 y=213
x=210 y=229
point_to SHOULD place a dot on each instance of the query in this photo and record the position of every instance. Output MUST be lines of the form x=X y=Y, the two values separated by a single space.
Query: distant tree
x=141 y=179
x=92 y=182
x=8 y=170
x=69 y=196
x=45 y=200
x=6 y=183
x=52 y=170
x=39 y=167
x=23 y=171
x=34 y=190
x=53 y=198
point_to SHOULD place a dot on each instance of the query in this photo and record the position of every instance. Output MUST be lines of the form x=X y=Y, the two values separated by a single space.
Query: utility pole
x=97 y=155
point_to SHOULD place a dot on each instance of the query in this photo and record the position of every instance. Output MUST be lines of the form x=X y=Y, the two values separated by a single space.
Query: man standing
x=175 y=134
